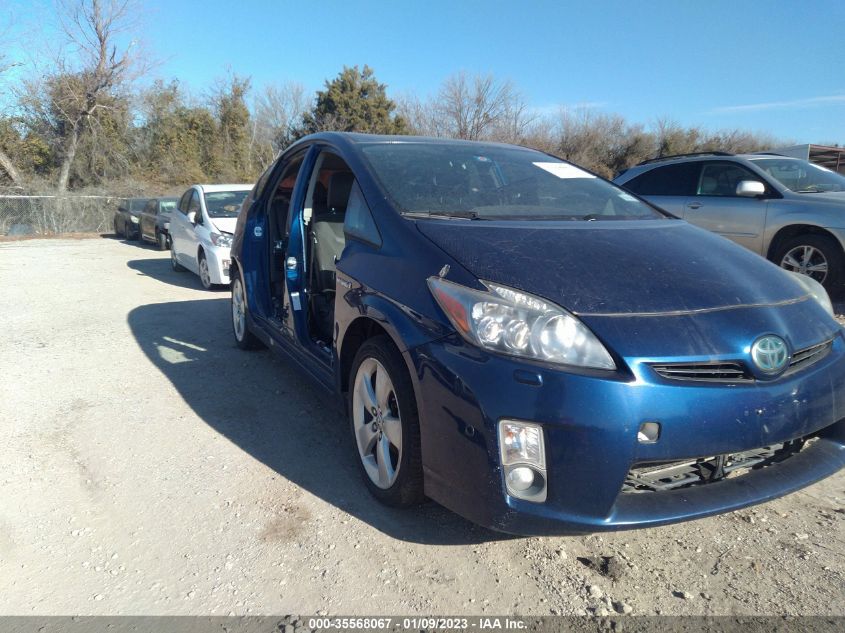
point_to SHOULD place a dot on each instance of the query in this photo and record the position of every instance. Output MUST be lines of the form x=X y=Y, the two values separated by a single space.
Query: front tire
x=240 y=328
x=818 y=256
x=161 y=241
x=385 y=424
x=174 y=263
x=205 y=273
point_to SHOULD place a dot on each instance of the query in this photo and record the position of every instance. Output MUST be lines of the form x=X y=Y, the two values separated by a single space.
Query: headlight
x=134 y=219
x=167 y=226
x=513 y=322
x=815 y=289
x=221 y=240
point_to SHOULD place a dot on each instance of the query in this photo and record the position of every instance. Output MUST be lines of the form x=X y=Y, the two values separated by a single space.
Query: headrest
x=340 y=184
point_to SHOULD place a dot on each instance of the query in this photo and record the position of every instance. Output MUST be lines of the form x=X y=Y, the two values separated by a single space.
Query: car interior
x=324 y=214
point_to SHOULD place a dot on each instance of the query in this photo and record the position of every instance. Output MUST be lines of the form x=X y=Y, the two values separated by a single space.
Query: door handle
x=694 y=205
x=290 y=263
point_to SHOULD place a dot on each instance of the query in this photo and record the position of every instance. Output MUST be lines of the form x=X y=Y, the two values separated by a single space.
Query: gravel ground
x=150 y=467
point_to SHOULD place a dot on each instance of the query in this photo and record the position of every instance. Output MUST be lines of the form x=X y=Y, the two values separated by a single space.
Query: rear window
x=496 y=182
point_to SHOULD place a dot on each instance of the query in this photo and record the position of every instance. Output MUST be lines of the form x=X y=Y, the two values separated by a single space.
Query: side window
x=258 y=189
x=359 y=223
x=183 y=201
x=721 y=179
x=194 y=202
x=669 y=180
x=150 y=208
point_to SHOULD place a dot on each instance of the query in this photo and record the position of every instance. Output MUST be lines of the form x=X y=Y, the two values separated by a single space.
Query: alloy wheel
x=377 y=423
x=806 y=260
x=205 y=275
x=238 y=312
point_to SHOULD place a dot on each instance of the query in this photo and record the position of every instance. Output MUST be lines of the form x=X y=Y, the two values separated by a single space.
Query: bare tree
x=422 y=117
x=278 y=113
x=86 y=84
x=470 y=107
x=6 y=163
x=9 y=167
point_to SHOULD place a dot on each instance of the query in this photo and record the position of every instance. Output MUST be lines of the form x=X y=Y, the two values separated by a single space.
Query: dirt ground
x=151 y=467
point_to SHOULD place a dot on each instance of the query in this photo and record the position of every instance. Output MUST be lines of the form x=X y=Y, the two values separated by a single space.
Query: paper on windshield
x=564 y=170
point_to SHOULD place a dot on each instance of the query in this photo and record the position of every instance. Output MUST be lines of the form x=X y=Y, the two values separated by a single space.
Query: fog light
x=523 y=454
x=520 y=478
x=649 y=432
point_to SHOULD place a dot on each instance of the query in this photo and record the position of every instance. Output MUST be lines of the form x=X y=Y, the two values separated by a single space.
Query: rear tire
x=161 y=241
x=394 y=477
x=244 y=338
x=819 y=256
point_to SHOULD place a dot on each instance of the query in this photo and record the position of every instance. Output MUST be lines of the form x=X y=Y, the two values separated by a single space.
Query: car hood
x=225 y=225
x=604 y=268
x=835 y=197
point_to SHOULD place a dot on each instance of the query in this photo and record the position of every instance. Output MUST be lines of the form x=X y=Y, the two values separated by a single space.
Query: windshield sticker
x=564 y=170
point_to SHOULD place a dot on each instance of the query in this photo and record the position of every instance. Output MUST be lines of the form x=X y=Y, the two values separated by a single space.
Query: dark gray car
x=786 y=209
x=126 y=217
x=154 y=221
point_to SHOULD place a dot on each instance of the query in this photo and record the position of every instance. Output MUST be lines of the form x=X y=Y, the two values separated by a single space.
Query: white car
x=201 y=230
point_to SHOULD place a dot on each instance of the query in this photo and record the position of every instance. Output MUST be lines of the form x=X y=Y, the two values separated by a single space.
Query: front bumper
x=590 y=426
x=219 y=260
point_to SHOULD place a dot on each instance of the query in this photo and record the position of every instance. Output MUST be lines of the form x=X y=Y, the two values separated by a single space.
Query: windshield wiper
x=454 y=215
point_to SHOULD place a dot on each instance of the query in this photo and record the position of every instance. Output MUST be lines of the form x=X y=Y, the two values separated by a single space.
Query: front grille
x=709 y=372
x=736 y=371
x=705 y=470
x=808 y=356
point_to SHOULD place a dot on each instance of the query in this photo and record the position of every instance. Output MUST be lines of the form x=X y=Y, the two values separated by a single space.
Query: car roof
x=213 y=188
x=359 y=138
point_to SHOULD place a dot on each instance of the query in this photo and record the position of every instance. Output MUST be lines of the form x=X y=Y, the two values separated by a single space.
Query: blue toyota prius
x=530 y=345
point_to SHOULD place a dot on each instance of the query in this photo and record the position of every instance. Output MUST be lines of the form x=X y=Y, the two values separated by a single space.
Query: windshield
x=800 y=175
x=224 y=204
x=498 y=183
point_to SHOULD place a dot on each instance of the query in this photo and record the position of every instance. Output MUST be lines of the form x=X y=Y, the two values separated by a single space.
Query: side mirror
x=192 y=217
x=750 y=188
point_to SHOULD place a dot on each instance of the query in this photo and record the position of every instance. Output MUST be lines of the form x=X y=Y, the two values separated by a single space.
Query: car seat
x=327 y=244
x=327 y=235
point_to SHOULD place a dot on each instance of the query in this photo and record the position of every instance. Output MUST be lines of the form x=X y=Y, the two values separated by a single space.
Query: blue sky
x=768 y=66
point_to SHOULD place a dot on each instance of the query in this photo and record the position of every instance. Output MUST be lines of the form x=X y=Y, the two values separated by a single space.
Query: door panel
x=188 y=253
x=716 y=207
x=676 y=205
x=739 y=219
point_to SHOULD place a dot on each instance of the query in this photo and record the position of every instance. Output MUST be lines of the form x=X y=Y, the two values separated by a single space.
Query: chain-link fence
x=40 y=215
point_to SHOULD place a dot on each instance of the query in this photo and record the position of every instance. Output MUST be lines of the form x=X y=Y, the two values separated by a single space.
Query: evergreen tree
x=354 y=101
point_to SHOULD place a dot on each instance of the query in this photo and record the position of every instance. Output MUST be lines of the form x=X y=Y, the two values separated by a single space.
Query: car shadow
x=272 y=411
x=161 y=270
